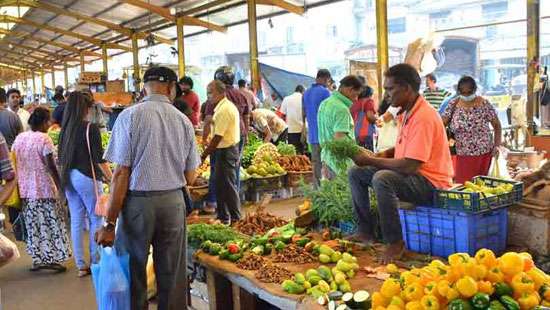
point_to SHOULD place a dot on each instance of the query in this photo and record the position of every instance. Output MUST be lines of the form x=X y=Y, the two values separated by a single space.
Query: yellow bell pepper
x=522 y=283
x=409 y=278
x=394 y=307
x=528 y=301
x=452 y=294
x=539 y=277
x=380 y=308
x=378 y=300
x=414 y=305
x=459 y=258
x=430 y=302
x=486 y=287
x=391 y=287
x=545 y=303
x=528 y=263
x=431 y=289
x=478 y=272
x=397 y=301
x=467 y=287
x=511 y=263
x=495 y=275
x=392 y=268
x=443 y=287
x=414 y=292
x=486 y=257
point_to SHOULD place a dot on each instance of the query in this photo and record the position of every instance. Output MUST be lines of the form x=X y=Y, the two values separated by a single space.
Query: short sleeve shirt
x=193 y=103
x=6 y=167
x=292 y=108
x=10 y=125
x=266 y=118
x=312 y=100
x=34 y=179
x=422 y=137
x=225 y=123
x=157 y=142
x=436 y=97
x=334 y=116
x=471 y=127
x=238 y=99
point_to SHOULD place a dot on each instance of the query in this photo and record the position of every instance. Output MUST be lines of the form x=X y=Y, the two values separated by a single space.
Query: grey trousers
x=389 y=187
x=227 y=194
x=156 y=219
x=317 y=165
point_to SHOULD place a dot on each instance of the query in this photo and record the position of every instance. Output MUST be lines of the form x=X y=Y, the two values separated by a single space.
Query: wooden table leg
x=220 y=293
x=243 y=300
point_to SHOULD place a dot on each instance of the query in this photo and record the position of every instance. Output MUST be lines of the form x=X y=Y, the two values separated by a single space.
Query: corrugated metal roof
x=223 y=13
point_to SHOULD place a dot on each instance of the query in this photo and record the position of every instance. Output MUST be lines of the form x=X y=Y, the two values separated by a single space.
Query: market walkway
x=21 y=289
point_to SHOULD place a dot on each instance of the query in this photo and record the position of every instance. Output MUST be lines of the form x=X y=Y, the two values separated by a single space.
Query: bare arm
x=52 y=169
x=402 y=165
x=267 y=134
x=119 y=190
x=7 y=190
x=106 y=171
x=206 y=128
x=211 y=147
x=498 y=131
x=190 y=177
x=371 y=117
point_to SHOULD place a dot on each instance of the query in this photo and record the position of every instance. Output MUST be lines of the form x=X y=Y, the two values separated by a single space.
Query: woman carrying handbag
x=81 y=160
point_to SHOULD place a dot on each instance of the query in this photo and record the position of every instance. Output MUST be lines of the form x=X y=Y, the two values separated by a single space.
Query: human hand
x=105 y=236
x=379 y=122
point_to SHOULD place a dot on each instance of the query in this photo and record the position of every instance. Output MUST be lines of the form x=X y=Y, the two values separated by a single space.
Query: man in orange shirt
x=419 y=163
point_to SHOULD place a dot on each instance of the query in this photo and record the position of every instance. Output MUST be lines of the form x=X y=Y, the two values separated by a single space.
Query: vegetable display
x=270 y=273
x=286 y=149
x=250 y=149
x=258 y=223
x=331 y=201
x=295 y=163
x=266 y=152
x=342 y=150
x=511 y=282
x=198 y=233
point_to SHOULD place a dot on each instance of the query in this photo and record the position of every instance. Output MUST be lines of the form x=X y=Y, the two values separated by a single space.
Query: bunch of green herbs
x=249 y=150
x=198 y=233
x=286 y=149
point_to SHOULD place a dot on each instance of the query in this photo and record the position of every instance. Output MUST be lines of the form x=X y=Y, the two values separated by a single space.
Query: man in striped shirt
x=433 y=94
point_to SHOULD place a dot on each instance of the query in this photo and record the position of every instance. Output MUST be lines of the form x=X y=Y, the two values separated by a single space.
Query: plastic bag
x=8 y=251
x=14 y=201
x=112 y=280
x=498 y=167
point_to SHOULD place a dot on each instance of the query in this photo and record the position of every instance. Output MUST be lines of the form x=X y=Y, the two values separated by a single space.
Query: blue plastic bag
x=111 y=277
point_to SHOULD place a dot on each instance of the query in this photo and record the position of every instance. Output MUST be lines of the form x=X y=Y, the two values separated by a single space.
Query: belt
x=151 y=193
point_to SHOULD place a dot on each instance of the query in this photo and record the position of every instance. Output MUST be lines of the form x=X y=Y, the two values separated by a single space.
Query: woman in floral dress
x=470 y=118
x=38 y=179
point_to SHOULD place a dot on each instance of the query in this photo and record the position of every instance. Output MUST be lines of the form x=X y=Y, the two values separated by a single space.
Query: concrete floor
x=21 y=289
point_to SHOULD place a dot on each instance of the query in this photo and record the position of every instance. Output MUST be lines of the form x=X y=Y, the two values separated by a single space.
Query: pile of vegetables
x=295 y=163
x=331 y=201
x=217 y=233
x=511 y=282
x=286 y=149
x=258 y=223
x=342 y=150
x=266 y=151
x=265 y=167
x=250 y=149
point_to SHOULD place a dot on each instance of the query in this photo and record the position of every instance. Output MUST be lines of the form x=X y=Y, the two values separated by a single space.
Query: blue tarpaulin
x=282 y=82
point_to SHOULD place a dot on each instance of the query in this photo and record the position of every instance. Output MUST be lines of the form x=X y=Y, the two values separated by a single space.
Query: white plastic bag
x=8 y=251
x=498 y=167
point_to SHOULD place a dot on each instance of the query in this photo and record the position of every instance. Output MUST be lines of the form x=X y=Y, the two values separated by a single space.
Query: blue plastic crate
x=442 y=232
x=457 y=199
x=347 y=228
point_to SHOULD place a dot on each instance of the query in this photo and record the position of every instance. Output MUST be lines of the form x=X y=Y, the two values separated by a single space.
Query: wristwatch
x=109 y=225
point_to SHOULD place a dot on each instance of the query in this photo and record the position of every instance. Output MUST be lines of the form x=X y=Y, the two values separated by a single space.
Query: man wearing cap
x=225 y=142
x=154 y=147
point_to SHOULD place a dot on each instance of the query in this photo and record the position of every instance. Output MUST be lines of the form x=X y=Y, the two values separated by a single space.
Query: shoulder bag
x=101 y=199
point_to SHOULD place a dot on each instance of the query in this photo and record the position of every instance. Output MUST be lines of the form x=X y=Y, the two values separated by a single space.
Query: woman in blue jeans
x=76 y=173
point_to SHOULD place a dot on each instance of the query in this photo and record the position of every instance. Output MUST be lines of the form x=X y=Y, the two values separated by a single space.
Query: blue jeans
x=82 y=199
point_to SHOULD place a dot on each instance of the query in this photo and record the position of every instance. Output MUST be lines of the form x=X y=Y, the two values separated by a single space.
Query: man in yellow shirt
x=225 y=146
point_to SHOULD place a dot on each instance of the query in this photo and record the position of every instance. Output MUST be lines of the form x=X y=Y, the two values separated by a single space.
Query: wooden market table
x=232 y=288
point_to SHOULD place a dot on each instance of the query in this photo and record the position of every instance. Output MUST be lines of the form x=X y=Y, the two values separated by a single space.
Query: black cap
x=160 y=74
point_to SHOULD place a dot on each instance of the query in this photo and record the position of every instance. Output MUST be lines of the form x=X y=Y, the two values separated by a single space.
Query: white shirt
x=292 y=108
x=24 y=116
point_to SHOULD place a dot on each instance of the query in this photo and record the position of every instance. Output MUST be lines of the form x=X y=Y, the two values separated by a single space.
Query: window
x=491 y=32
x=332 y=31
x=397 y=25
x=289 y=35
x=494 y=10
x=440 y=15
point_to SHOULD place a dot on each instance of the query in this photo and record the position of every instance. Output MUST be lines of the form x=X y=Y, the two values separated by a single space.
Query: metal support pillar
x=42 y=82
x=104 y=57
x=533 y=60
x=66 y=76
x=253 y=48
x=382 y=44
x=82 y=65
x=34 y=90
x=53 y=77
x=135 y=54
x=181 y=49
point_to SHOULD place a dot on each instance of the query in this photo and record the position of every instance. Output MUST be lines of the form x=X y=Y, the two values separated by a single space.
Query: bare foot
x=361 y=238
x=393 y=252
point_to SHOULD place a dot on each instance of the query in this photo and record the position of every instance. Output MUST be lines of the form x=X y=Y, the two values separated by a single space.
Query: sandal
x=56 y=267
x=36 y=267
x=84 y=272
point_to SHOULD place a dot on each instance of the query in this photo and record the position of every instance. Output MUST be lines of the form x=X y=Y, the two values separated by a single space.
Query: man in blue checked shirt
x=154 y=148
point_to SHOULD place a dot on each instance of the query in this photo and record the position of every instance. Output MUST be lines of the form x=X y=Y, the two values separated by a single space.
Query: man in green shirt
x=335 y=121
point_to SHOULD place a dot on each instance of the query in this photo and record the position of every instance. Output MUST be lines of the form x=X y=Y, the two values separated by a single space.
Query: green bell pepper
x=496 y=305
x=459 y=304
x=503 y=289
x=480 y=301
x=509 y=303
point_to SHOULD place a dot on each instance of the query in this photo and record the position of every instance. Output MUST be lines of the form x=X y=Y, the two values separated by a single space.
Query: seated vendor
x=271 y=126
x=419 y=163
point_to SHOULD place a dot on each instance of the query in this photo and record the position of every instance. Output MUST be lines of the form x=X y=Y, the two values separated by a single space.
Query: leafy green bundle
x=250 y=149
x=286 y=149
x=198 y=233
x=342 y=150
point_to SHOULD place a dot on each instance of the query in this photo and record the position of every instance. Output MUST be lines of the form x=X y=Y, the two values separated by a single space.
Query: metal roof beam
x=204 y=7
x=47 y=53
x=94 y=41
x=28 y=36
x=165 y=13
x=89 y=19
x=292 y=8
x=23 y=55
